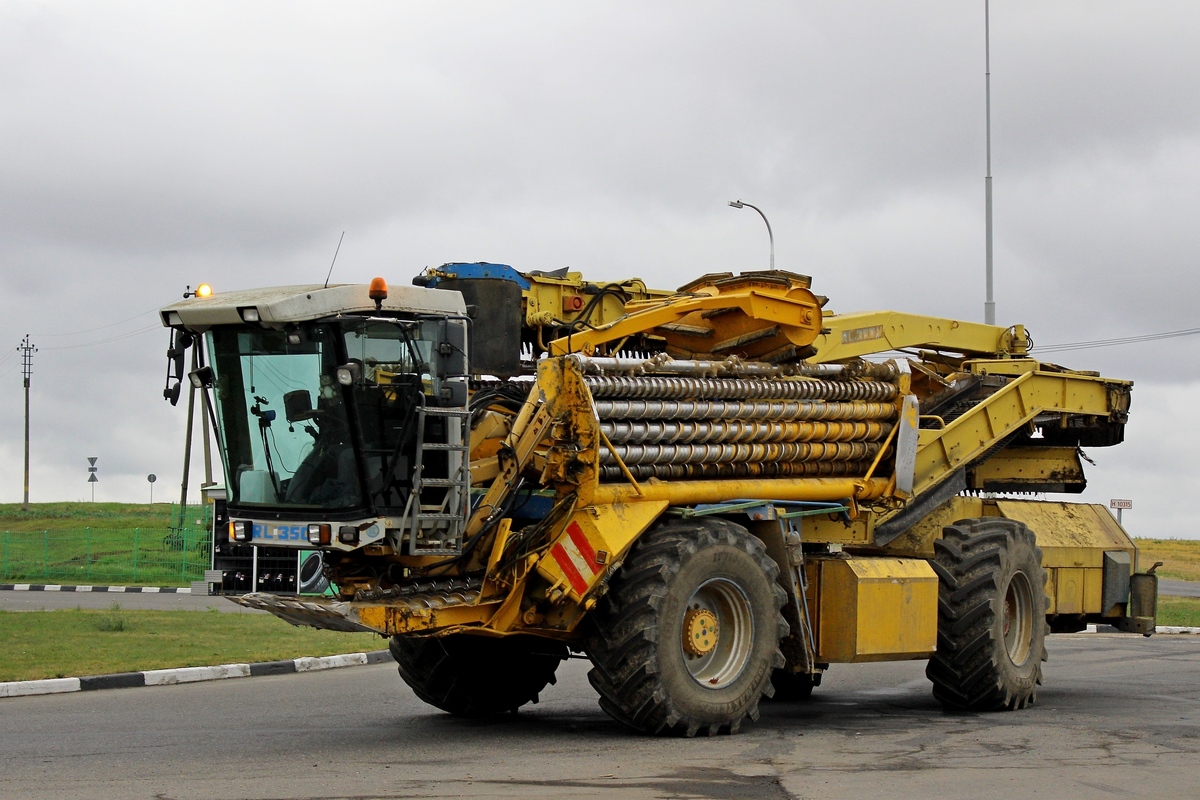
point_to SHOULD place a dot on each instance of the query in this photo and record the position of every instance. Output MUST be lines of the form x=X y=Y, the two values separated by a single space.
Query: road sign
x=1125 y=504
x=93 y=479
x=152 y=477
x=92 y=460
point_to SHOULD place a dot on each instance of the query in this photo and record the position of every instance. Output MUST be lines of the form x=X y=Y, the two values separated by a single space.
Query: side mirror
x=454 y=391
x=180 y=341
x=452 y=352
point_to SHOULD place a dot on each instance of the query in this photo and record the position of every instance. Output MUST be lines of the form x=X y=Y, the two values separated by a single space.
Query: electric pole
x=27 y=351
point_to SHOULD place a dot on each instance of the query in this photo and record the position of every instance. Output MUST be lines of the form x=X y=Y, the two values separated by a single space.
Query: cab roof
x=282 y=305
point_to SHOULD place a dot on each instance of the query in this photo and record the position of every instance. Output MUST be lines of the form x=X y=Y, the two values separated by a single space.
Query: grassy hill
x=52 y=516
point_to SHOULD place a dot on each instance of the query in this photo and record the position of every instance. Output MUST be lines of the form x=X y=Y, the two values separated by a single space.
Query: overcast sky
x=149 y=146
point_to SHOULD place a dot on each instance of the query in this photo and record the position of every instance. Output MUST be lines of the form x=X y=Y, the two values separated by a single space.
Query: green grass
x=101 y=543
x=52 y=516
x=1180 y=557
x=57 y=644
x=1179 y=611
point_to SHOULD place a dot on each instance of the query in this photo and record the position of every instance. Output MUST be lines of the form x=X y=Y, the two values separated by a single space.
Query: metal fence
x=172 y=556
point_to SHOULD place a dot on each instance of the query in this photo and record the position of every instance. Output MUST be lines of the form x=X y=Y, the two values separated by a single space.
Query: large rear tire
x=686 y=638
x=991 y=616
x=476 y=676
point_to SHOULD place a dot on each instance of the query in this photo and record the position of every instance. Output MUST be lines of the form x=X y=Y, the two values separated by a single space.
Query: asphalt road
x=1178 y=588
x=52 y=601
x=1118 y=715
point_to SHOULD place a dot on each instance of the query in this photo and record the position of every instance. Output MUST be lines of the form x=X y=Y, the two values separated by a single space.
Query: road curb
x=1165 y=629
x=171 y=677
x=57 y=587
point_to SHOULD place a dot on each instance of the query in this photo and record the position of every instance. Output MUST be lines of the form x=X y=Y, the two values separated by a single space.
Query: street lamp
x=771 y=236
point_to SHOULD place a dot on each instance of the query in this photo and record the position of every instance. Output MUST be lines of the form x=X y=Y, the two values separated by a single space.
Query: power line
x=1089 y=345
x=100 y=328
x=116 y=338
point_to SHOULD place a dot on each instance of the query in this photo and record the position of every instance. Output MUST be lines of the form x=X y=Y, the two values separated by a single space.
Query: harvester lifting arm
x=862 y=334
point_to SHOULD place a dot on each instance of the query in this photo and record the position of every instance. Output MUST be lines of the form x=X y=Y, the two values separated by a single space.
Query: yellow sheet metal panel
x=1047 y=469
x=593 y=539
x=1068 y=591
x=1070 y=534
x=918 y=540
x=391 y=620
x=1093 y=591
x=876 y=609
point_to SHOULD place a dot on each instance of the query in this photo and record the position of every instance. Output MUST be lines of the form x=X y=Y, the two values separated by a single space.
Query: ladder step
x=442 y=482
x=437 y=446
x=446 y=412
x=424 y=516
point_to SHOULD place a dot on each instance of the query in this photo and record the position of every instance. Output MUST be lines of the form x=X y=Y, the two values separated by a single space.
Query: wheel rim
x=715 y=658
x=1018 y=619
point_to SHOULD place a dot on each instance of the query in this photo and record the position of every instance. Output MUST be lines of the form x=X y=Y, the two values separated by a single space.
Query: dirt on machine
x=715 y=494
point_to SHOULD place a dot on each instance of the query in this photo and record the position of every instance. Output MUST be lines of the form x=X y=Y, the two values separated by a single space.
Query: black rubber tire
x=792 y=687
x=991 y=616
x=476 y=676
x=640 y=668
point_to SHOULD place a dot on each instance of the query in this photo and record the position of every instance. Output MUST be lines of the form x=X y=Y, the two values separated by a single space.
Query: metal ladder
x=440 y=539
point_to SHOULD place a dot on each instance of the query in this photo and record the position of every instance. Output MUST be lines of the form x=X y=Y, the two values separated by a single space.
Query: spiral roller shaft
x=743 y=409
x=688 y=432
x=782 y=469
x=708 y=420
x=730 y=453
x=664 y=388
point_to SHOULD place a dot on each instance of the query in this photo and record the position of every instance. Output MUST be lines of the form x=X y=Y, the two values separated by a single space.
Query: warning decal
x=576 y=557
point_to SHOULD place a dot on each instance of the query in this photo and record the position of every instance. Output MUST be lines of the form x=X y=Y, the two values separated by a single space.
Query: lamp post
x=989 y=302
x=771 y=236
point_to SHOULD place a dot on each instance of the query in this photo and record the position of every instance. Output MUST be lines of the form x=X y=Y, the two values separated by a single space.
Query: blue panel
x=482 y=269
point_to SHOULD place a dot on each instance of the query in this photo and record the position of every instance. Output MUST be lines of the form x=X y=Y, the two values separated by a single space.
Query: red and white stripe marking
x=576 y=558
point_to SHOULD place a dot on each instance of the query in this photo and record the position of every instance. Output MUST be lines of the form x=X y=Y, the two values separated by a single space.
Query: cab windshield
x=286 y=432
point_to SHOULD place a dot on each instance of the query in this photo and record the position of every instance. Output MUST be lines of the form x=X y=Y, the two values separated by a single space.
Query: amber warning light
x=378 y=292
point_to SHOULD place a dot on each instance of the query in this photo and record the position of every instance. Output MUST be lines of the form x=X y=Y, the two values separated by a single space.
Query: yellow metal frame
x=942 y=451
x=865 y=333
x=794 y=309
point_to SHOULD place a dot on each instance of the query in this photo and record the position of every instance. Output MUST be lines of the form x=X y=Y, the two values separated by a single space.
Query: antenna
x=335 y=252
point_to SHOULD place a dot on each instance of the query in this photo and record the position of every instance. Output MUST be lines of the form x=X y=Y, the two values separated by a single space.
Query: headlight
x=240 y=530
x=318 y=534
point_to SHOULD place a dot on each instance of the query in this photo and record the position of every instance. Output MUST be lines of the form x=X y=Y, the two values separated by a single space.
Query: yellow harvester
x=714 y=493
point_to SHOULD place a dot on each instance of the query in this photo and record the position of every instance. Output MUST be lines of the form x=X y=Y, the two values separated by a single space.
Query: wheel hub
x=1017 y=621
x=700 y=632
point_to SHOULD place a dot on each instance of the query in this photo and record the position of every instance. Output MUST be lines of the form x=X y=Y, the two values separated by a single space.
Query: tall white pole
x=989 y=304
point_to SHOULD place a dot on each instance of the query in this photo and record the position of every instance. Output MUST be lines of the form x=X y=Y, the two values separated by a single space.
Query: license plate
x=279 y=534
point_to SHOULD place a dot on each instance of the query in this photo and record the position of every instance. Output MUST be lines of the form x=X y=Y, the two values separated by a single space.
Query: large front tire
x=991 y=616
x=475 y=676
x=687 y=637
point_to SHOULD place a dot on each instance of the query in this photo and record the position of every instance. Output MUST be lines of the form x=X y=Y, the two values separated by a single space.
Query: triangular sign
x=92 y=461
x=93 y=479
